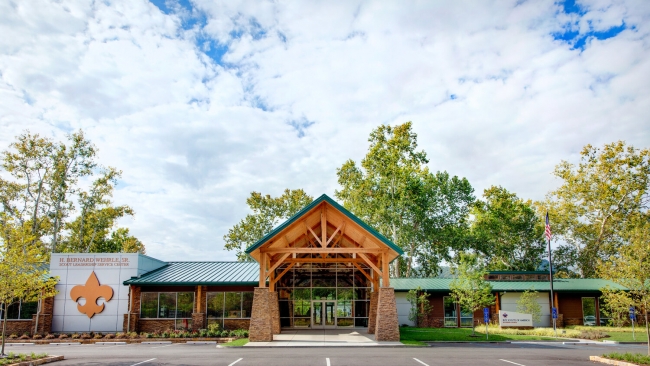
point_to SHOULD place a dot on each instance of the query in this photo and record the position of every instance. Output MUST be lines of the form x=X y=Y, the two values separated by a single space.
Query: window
x=450 y=312
x=168 y=305
x=228 y=305
x=589 y=311
x=20 y=310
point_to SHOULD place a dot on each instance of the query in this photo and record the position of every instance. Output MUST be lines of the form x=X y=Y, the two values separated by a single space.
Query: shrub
x=37 y=336
x=13 y=336
x=239 y=333
x=24 y=336
x=593 y=334
x=629 y=357
x=85 y=336
x=50 y=336
x=120 y=335
x=63 y=336
x=214 y=327
x=225 y=333
x=110 y=336
x=133 y=335
x=75 y=336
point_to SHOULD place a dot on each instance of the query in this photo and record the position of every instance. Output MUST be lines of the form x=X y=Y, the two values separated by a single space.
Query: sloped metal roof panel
x=200 y=273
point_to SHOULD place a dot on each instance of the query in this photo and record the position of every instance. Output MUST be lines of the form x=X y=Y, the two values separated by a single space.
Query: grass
x=410 y=335
x=236 y=343
x=15 y=358
x=636 y=358
x=626 y=337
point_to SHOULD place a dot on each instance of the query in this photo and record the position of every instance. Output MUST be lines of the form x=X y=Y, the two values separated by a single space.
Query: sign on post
x=554 y=313
x=486 y=319
x=632 y=317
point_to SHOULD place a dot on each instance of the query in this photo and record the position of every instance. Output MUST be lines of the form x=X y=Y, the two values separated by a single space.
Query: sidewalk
x=324 y=338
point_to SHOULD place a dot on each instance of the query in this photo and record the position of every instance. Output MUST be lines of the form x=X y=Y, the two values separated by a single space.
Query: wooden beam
x=198 y=299
x=369 y=262
x=324 y=250
x=262 y=270
x=385 y=272
x=278 y=263
x=272 y=281
x=333 y=235
x=323 y=226
x=276 y=279
x=323 y=260
x=362 y=271
x=314 y=234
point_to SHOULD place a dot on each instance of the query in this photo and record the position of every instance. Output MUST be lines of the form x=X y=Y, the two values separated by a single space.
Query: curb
x=109 y=343
x=21 y=344
x=202 y=342
x=38 y=362
x=619 y=342
x=157 y=342
x=610 y=362
x=66 y=344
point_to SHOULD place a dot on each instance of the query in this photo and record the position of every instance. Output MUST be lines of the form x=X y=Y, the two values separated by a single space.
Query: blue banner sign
x=631 y=312
x=486 y=315
x=554 y=313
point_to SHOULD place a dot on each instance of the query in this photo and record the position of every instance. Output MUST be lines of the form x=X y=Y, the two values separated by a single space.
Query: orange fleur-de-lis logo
x=91 y=291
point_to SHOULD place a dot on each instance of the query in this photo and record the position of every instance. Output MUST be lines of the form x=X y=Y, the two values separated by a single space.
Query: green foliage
x=469 y=287
x=595 y=202
x=268 y=212
x=528 y=304
x=507 y=231
x=635 y=358
x=393 y=191
x=409 y=334
x=616 y=306
x=420 y=306
x=630 y=266
x=44 y=177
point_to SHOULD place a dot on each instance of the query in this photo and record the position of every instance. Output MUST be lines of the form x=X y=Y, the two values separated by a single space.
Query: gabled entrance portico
x=325 y=269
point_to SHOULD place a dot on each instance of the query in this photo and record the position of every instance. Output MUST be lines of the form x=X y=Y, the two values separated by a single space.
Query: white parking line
x=420 y=361
x=143 y=362
x=328 y=361
x=514 y=363
x=235 y=362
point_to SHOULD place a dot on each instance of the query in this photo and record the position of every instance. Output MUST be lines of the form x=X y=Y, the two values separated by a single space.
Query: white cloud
x=493 y=95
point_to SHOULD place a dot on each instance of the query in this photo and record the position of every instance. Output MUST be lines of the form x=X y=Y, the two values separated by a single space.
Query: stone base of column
x=261 y=329
x=387 y=322
x=275 y=312
x=198 y=321
x=131 y=326
x=372 y=317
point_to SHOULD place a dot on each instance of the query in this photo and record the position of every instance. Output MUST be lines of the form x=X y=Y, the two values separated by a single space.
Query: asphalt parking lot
x=523 y=354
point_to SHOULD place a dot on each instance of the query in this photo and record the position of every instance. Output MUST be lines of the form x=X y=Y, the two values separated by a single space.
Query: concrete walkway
x=323 y=338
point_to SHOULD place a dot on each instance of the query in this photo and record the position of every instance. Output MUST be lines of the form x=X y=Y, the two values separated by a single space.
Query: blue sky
x=201 y=102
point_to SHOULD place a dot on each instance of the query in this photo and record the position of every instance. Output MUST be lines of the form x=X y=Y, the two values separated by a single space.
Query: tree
x=596 y=199
x=268 y=212
x=616 y=305
x=527 y=304
x=630 y=266
x=393 y=191
x=420 y=306
x=507 y=231
x=469 y=287
x=44 y=177
x=22 y=273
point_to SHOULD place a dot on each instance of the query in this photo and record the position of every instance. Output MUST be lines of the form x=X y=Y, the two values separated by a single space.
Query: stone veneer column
x=275 y=312
x=134 y=325
x=198 y=321
x=372 y=317
x=387 y=323
x=261 y=329
x=44 y=317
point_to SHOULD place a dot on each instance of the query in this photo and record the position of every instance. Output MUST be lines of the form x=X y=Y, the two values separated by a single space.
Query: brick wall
x=232 y=324
x=155 y=325
x=372 y=317
x=18 y=327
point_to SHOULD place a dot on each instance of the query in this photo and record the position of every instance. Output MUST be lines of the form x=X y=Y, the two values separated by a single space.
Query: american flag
x=548 y=228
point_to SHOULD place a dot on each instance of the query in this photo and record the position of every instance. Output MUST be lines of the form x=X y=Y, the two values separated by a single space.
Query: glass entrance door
x=323 y=314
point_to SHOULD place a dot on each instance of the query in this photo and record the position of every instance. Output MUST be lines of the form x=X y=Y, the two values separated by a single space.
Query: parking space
x=522 y=354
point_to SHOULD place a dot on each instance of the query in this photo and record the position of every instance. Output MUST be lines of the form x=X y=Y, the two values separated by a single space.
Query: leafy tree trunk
x=647 y=329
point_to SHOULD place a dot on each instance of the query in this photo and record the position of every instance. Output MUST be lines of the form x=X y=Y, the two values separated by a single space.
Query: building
x=322 y=268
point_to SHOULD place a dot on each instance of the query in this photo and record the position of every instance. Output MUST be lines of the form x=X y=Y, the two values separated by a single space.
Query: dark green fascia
x=128 y=282
x=317 y=201
x=518 y=272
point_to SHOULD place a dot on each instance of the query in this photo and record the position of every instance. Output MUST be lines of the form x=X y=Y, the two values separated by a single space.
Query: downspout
x=128 y=320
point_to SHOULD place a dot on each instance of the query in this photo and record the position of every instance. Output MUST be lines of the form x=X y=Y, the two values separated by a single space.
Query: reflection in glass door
x=323 y=314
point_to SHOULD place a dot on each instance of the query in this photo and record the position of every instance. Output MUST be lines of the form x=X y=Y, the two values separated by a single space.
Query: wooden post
x=323 y=227
x=272 y=280
x=198 y=299
x=557 y=303
x=498 y=300
x=262 y=270
x=384 y=270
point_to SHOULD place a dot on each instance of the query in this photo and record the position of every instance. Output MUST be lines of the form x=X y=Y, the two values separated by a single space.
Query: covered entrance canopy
x=324 y=268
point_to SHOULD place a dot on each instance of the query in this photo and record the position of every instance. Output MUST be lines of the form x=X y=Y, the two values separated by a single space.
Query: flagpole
x=550 y=271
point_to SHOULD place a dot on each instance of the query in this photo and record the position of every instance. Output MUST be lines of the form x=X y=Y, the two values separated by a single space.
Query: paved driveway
x=526 y=354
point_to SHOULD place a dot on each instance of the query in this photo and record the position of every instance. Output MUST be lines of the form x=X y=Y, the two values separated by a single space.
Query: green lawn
x=414 y=336
x=625 y=336
x=236 y=343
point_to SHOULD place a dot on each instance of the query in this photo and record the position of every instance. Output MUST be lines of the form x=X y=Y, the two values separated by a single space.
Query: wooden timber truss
x=326 y=233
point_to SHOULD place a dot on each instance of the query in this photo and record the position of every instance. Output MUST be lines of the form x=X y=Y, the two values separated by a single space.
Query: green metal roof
x=343 y=210
x=200 y=273
x=559 y=285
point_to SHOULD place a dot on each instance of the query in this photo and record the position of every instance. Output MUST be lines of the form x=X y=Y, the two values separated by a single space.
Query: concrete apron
x=323 y=338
